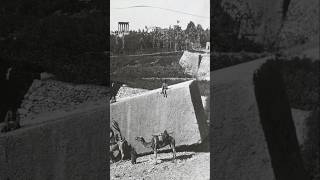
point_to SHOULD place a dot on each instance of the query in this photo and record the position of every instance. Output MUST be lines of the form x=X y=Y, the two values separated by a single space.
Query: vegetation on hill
x=157 y=39
x=160 y=66
x=226 y=32
x=274 y=24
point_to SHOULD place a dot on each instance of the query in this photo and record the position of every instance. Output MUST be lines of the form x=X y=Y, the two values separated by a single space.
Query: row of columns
x=123 y=27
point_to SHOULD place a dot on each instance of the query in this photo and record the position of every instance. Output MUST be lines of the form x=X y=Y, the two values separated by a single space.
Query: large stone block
x=238 y=146
x=192 y=66
x=68 y=147
x=150 y=113
x=252 y=138
x=190 y=62
x=277 y=122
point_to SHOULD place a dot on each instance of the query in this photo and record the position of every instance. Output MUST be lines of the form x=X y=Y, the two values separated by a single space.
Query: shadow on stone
x=201 y=147
x=277 y=123
x=310 y=149
x=181 y=157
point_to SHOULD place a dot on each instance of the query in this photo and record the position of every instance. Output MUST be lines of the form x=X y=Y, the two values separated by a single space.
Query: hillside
x=147 y=71
x=162 y=65
x=265 y=18
x=66 y=38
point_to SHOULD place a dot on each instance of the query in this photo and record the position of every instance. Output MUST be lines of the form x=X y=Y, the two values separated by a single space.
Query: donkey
x=159 y=141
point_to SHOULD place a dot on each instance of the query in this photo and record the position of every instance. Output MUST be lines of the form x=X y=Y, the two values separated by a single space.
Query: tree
x=178 y=38
x=191 y=32
x=202 y=36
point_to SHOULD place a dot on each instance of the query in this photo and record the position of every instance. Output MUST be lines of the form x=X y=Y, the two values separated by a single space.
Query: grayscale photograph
x=53 y=89
x=178 y=89
x=264 y=90
x=160 y=89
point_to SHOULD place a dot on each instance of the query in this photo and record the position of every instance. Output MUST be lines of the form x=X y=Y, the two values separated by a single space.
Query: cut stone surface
x=181 y=114
x=238 y=146
x=248 y=142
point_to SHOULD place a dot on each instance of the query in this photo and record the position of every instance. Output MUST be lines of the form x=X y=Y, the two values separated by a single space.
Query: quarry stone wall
x=277 y=122
x=181 y=114
x=245 y=143
x=238 y=145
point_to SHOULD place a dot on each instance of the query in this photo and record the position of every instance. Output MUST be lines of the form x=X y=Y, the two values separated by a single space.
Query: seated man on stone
x=164 y=88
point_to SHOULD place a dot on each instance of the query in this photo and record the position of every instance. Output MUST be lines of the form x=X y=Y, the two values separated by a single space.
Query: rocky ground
x=50 y=96
x=188 y=165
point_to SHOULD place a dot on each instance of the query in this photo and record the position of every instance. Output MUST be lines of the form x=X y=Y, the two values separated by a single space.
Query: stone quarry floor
x=188 y=165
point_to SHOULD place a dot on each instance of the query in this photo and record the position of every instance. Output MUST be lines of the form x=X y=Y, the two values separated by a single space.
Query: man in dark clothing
x=164 y=88
x=120 y=149
x=113 y=92
x=199 y=62
x=15 y=81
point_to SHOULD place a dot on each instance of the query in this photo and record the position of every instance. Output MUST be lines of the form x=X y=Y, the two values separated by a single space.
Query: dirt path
x=189 y=165
x=149 y=54
x=168 y=78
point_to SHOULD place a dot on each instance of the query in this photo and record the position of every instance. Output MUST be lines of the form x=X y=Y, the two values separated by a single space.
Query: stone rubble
x=50 y=95
x=125 y=91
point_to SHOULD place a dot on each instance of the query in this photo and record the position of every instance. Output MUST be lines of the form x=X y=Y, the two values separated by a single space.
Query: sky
x=139 y=17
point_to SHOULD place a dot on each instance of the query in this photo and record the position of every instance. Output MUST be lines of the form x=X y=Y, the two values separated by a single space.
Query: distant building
x=123 y=28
